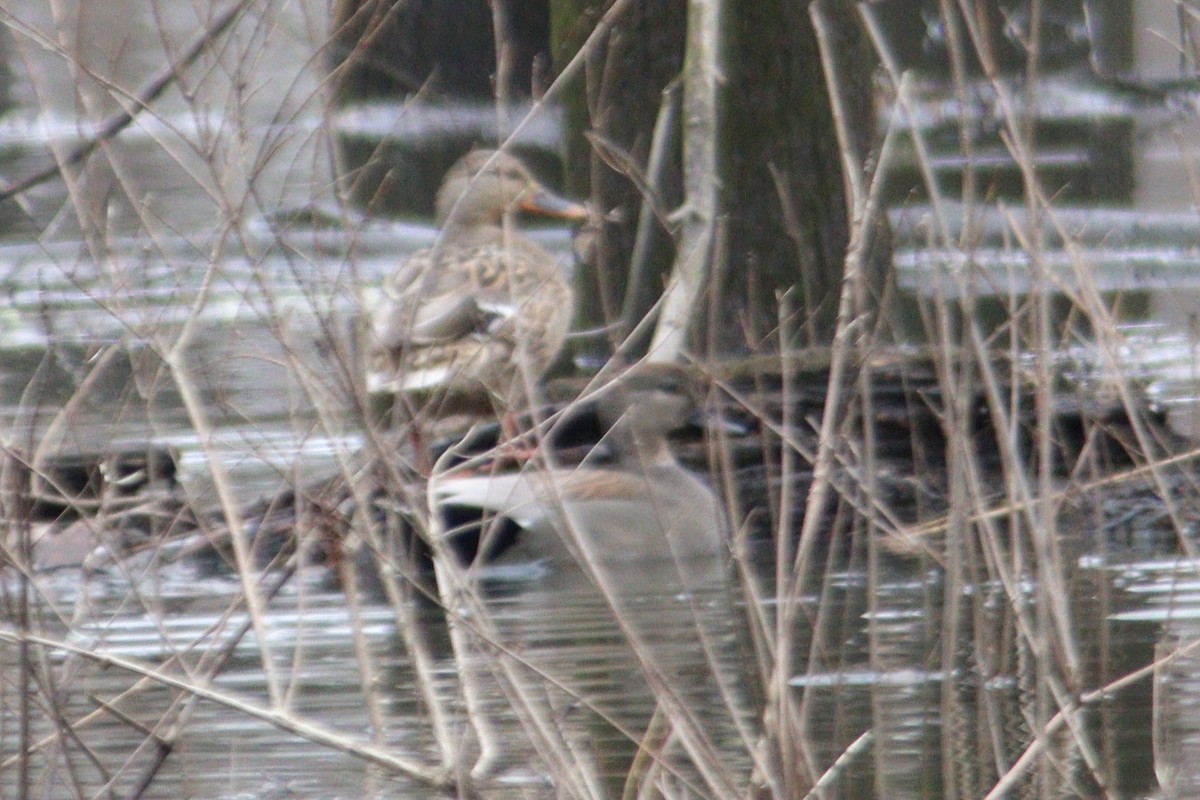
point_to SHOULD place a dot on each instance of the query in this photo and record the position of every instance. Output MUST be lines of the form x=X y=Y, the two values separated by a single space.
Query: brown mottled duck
x=486 y=309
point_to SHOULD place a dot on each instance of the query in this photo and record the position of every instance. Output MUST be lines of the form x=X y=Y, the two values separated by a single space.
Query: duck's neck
x=459 y=231
x=647 y=448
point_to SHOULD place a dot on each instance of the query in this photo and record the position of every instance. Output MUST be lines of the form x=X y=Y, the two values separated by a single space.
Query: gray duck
x=630 y=523
x=629 y=501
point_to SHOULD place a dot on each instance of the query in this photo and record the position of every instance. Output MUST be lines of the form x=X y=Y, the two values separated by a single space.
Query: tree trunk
x=384 y=48
x=611 y=117
x=783 y=211
x=787 y=213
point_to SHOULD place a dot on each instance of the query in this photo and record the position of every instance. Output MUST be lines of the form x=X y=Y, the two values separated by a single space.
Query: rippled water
x=574 y=659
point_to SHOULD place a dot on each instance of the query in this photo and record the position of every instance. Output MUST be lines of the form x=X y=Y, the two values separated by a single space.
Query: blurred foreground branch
x=697 y=216
x=116 y=123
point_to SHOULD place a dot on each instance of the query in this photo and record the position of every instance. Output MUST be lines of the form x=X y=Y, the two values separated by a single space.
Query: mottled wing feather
x=469 y=315
x=443 y=319
x=435 y=300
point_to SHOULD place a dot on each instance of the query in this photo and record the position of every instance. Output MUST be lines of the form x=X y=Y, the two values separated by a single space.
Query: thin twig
x=697 y=216
x=138 y=101
x=281 y=719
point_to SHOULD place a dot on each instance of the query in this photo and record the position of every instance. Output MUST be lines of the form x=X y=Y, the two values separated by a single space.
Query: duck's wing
x=435 y=299
x=518 y=496
x=531 y=497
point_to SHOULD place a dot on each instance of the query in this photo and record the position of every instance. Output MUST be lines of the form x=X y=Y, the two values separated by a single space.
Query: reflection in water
x=571 y=658
x=557 y=651
x=905 y=736
x=1162 y=615
x=1176 y=702
x=687 y=648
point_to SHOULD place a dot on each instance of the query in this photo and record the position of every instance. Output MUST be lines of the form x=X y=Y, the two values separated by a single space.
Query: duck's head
x=649 y=400
x=485 y=185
